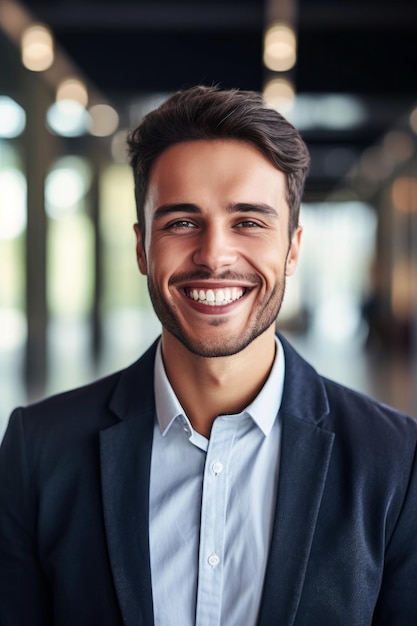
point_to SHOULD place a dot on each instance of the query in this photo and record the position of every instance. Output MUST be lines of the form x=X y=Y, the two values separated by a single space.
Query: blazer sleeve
x=23 y=587
x=397 y=603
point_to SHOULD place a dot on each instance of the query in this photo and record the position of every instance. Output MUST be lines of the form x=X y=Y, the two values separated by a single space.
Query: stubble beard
x=266 y=316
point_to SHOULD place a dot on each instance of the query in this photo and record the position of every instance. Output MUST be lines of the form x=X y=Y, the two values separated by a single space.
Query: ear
x=140 y=251
x=293 y=252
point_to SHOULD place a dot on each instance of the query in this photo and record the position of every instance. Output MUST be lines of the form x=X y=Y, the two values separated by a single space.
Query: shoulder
x=375 y=445
x=349 y=409
x=357 y=421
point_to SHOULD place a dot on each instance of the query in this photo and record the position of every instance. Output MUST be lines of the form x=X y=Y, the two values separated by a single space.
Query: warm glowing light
x=37 y=48
x=404 y=194
x=104 y=120
x=12 y=118
x=279 y=94
x=72 y=89
x=280 y=48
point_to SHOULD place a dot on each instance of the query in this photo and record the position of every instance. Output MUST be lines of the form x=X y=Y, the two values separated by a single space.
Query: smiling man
x=219 y=480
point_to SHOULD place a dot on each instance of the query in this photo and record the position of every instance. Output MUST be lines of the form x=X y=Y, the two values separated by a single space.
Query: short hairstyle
x=212 y=113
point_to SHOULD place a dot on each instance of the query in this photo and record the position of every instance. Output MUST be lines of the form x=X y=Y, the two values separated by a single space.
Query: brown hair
x=210 y=113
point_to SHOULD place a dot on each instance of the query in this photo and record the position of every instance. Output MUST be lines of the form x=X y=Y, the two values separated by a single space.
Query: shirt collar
x=263 y=409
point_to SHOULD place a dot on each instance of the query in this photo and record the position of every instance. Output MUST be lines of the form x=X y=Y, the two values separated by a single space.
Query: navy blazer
x=74 y=508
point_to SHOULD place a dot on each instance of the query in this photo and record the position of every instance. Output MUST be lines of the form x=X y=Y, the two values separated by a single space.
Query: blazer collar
x=304 y=395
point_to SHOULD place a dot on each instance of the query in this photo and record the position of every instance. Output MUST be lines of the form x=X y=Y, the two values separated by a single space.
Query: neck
x=208 y=387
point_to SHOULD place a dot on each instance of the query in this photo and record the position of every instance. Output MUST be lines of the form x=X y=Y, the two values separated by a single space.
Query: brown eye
x=182 y=224
x=248 y=224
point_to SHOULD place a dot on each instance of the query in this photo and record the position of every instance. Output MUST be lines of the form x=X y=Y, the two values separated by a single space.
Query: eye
x=248 y=224
x=180 y=225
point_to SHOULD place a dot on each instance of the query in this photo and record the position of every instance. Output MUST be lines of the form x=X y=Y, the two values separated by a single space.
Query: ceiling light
x=67 y=118
x=72 y=89
x=279 y=94
x=104 y=120
x=37 y=48
x=12 y=118
x=339 y=111
x=327 y=111
x=66 y=184
x=279 y=48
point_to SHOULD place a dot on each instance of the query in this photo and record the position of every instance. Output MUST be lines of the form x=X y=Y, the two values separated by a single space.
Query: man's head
x=210 y=113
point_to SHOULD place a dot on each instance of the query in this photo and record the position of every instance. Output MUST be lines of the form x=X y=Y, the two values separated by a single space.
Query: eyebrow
x=249 y=207
x=193 y=209
x=169 y=209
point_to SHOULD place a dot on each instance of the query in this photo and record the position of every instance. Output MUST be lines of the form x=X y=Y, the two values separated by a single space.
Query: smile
x=215 y=297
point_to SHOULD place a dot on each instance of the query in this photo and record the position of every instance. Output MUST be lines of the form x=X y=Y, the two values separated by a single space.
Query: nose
x=214 y=248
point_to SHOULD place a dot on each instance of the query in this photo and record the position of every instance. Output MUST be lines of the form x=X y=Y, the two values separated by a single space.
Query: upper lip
x=215 y=285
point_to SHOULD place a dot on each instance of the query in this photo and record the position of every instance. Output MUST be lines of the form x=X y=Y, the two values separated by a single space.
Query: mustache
x=189 y=277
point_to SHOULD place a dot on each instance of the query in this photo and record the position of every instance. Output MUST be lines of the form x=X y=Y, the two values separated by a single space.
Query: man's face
x=216 y=251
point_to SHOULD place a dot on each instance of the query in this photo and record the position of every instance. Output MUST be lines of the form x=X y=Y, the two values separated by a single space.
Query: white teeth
x=219 y=296
x=216 y=297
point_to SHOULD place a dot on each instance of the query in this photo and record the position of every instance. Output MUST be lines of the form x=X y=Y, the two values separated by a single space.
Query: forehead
x=222 y=166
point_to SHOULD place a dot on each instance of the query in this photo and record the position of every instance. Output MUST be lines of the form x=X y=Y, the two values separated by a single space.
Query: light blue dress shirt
x=212 y=505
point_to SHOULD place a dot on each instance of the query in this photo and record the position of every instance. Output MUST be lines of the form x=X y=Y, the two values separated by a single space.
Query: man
x=219 y=480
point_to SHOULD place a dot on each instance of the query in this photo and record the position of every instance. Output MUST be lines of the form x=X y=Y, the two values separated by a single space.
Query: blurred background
x=76 y=75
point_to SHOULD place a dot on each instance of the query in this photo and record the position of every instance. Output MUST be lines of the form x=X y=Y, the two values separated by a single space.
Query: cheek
x=271 y=264
x=161 y=263
x=168 y=254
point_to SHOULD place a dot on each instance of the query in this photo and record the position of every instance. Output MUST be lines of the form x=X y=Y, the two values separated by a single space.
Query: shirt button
x=213 y=560
x=217 y=467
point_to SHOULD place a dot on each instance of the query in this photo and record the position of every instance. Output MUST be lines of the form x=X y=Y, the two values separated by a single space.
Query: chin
x=212 y=348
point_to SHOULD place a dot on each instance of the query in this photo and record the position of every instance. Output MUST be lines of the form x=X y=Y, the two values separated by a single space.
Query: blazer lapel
x=305 y=456
x=125 y=452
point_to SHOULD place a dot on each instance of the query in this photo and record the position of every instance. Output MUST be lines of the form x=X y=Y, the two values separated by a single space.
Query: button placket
x=213 y=515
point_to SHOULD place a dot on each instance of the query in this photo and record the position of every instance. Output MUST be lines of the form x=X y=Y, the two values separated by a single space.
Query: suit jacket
x=74 y=481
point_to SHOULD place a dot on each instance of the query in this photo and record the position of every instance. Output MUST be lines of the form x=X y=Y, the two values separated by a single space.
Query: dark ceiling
x=363 y=47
